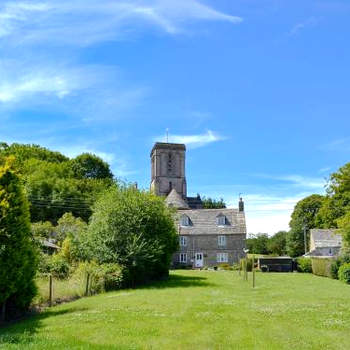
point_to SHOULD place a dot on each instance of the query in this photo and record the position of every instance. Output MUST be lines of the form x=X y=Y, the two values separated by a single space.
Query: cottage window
x=185 y=220
x=183 y=241
x=221 y=241
x=221 y=220
x=222 y=257
x=183 y=257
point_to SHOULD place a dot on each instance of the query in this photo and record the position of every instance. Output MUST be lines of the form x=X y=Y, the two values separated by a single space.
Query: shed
x=278 y=264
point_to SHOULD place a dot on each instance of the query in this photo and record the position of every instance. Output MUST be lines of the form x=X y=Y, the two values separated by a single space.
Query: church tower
x=168 y=169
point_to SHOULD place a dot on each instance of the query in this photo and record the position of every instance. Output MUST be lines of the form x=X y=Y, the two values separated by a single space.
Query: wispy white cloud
x=338 y=145
x=84 y=22
x=297 y=28
x=325 y=170
x=297 y=180
x=192 y=141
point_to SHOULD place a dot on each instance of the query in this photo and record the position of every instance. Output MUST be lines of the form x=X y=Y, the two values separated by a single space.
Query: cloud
x=83 y=22
x=192 y=141
x=338 y=145
x=297 y=180
x=310 y=22
x=325 y=170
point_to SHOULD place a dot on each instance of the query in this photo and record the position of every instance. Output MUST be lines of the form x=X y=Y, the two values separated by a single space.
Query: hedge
x=304 y=265
x=322 y=266
x=344 y=273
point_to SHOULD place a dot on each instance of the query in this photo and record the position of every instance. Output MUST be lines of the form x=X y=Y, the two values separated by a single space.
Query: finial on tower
x=240 y=203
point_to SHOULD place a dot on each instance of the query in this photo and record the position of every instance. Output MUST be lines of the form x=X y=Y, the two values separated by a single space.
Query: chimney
x=241 y=205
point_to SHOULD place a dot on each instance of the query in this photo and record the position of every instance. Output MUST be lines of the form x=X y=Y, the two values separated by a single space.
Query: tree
x=89 y=166
x=257 y=244
x=209 y=203
x=304 y=215
x=18 y=256
x=277 y=243
x=134 y=229
x=344 y=229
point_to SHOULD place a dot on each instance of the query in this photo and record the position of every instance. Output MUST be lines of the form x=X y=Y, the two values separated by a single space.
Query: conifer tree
x=18 y=259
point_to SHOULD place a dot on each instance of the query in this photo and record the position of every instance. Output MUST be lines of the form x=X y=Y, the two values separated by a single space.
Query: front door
x=198 y=260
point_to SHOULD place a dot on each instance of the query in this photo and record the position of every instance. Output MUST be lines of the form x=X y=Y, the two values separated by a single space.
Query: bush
x=304 y=265
x=104 y=277
x=133 y=229
x=344 y=258
x=225 y=267
x=322 y=266
x=249 y=264
x=344 y=273
x=59 y=266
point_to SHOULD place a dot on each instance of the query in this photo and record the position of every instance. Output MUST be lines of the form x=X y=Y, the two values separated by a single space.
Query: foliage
x=304 y=214
x=304 y=265
x=344 y=229
x=276 y=244
x=322 y=266
x=56 y=185
x=210 y=203
x=342 y=259
x=257 y=244
x=89 y=166
x=59 y=267
x=134 y=229
x=43 y=230
x=18 y=256
x=68 y=226
x=225 y=266
x=344 y=273
x=249 y=262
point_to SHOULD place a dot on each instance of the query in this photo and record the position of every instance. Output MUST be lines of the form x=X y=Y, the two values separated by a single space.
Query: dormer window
x=221 y=220
x=185 y=220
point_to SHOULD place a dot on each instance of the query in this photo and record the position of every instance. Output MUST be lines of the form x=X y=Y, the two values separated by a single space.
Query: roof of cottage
x=175 y=200
x=204 y=222
x=326 y=238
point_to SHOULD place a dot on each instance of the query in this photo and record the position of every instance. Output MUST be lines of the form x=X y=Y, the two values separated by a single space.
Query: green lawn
x=198 y=310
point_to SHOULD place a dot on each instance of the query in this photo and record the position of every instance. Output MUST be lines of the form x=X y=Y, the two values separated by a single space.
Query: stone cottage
x=207 y=237
x=324 y=242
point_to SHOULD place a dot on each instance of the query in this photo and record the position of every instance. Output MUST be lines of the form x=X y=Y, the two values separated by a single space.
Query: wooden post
x=253 y=270
x=3 y=312
x=246 y=267
x=239 y=268
x=87 y=284
x=50 y=290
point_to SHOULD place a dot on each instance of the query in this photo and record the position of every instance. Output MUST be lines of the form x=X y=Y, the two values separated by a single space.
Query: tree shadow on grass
x=178 y=281
x=22 y=332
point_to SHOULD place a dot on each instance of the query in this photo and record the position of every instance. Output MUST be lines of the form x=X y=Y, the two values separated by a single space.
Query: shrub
x=322 y=266
x=18 y=254
x=134 y=229
x=344 y=258
x=344 y=273
x=249 y=264
x=225 y=267
x=59 y=266
x=304 y=265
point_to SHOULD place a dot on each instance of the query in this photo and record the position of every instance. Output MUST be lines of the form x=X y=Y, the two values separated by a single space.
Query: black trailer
x=278 y=264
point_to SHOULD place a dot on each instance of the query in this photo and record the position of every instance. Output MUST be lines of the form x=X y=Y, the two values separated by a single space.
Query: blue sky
x=257 y=89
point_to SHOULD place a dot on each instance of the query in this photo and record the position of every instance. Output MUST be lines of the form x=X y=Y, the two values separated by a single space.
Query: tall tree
x=304 y=215
x=18 y=259
x=277 y=243
x=257 y=244
x=210 y=203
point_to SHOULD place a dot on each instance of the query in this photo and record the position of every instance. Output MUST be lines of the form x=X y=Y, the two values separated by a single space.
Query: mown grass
x=198 y=310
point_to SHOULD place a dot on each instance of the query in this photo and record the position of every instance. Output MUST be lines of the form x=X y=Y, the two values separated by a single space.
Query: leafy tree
x=89 y=166
x=70 y=227
x=277 y=243
x=304 y=214
x=43 y=230
x=18 y=256
x=209 y=203
x=257 y=244
x=134 y=229
x=344 y=229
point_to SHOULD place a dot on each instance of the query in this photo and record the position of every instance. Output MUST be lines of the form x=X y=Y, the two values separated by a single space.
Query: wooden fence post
x=87 y=284
x=253 y=270
x=50 y=290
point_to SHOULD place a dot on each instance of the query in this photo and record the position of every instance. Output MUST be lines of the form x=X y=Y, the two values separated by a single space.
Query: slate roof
x=204 y=222
x=175 y=200
x=325 y=238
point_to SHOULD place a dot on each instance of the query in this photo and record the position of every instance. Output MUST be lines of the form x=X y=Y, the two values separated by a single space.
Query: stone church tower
x=168 y=169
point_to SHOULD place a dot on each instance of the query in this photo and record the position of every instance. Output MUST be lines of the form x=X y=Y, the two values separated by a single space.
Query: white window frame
x=222 y=241
x=222 y=257
x=184 y=221
x=183 y=241
x=221 y=220
x=183 y=258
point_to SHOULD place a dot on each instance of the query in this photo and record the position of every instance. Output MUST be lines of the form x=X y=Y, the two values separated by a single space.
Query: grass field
x=198 y=310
